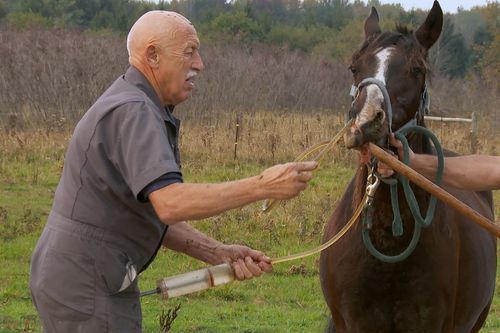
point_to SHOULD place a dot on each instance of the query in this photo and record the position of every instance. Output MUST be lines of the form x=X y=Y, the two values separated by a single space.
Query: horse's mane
x=403 y=29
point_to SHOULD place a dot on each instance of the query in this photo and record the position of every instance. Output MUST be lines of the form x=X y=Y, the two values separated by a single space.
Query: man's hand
x=284 y=181
x=384 y=169
x=246 y=262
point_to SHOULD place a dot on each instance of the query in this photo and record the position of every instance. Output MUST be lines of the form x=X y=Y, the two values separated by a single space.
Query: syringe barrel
x=191 y=282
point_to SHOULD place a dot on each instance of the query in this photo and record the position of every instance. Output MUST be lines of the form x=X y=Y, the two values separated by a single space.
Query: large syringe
x=191 y=282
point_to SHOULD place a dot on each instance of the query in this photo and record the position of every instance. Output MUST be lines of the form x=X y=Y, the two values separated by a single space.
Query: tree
x=60 y=12
x=468 y=23
x=451 y=55
x=297 y=38
x=3 y=9
x=236 y=26
x=202 y=11
x=487 y=43
x=341 y=44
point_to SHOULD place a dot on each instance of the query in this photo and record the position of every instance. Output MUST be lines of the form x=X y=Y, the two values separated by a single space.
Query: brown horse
x=447 y=283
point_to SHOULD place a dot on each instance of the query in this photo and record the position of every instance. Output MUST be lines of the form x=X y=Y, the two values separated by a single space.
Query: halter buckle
x=371 y=187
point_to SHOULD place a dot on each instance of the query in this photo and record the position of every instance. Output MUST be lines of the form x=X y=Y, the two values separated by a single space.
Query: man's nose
x=197 y=63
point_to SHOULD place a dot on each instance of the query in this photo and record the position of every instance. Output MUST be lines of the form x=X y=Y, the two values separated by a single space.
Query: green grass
x=289 y=300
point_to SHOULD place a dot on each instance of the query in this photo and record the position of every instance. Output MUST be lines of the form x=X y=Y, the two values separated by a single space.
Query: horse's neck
x=359 y=185
x=418 y=144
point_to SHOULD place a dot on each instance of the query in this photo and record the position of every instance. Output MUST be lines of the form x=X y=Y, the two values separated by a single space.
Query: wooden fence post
x=238 y=121
x=473 y=134
x=473 y=131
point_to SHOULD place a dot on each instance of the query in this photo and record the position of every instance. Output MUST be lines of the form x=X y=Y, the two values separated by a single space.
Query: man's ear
x=152 y=56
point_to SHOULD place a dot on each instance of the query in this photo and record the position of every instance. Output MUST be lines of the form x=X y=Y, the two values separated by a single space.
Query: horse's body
x=446 y=284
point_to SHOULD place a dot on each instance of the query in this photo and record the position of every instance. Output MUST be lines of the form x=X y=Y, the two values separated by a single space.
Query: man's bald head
x=160 y=29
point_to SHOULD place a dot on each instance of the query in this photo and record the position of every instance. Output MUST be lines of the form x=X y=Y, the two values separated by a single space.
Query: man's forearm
x=471 y=172
x=182 y=237
x=185 y=201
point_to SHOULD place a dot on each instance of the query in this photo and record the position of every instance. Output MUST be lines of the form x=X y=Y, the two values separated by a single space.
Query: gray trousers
x=74 y=284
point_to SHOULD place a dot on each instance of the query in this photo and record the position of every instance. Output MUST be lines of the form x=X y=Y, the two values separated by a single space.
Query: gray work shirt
x=125 y=141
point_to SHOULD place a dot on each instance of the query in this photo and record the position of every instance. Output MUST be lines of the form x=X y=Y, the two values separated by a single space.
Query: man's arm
x=184 y=201
x=182 y=237
x=470 y=172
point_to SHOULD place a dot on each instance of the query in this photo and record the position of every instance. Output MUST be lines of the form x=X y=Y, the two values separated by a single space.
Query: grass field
x=289 y=300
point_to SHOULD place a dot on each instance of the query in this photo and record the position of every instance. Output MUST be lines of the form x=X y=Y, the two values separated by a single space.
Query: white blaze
x=374 y=97
x=383 y=59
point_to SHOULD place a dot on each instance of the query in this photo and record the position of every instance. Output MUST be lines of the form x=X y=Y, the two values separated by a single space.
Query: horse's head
x=391 y=64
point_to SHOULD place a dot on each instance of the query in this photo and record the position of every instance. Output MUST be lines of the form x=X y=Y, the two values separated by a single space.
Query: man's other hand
x=247 y=263
x=384 y=169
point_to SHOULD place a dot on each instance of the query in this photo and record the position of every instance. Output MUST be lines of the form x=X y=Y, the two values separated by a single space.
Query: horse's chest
x=391 y=298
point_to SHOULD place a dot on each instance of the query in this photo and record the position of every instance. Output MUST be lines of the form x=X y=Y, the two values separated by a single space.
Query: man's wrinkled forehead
x=180 y=37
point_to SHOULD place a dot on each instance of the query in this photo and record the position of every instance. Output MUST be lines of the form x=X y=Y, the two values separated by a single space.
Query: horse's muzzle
x=353 y=138
x=373 y=131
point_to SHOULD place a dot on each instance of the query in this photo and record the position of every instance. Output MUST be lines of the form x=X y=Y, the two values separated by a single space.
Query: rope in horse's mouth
x=221 y=274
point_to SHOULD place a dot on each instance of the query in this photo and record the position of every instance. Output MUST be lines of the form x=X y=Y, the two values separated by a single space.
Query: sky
x=449 y=6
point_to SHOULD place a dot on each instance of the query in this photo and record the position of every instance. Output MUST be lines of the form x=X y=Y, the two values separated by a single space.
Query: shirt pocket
x=68 y=281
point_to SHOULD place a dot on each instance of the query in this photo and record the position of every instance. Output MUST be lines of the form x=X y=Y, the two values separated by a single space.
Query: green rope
x=397 y=223
x=397 y=226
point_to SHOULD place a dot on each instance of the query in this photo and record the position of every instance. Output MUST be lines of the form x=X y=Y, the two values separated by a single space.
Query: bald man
x=121 y=194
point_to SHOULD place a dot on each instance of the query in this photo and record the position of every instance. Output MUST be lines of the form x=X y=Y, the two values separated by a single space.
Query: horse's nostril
x=379 y=115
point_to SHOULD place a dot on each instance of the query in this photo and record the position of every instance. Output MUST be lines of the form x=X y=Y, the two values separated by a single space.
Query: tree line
x=470 y=41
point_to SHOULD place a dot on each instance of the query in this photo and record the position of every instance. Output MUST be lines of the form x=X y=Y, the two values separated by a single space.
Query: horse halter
x=397 y=223
x=423 y=108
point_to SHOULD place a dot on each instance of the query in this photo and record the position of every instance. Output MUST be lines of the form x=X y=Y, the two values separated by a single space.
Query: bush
x=236 y=26
x=25 y=20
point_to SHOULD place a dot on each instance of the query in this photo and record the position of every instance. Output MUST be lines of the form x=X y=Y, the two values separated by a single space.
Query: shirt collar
x=136 y=78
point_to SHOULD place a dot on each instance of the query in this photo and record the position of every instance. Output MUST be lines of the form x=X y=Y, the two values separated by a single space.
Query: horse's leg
x=480 y=320
x=329 y=269
x=331 y=327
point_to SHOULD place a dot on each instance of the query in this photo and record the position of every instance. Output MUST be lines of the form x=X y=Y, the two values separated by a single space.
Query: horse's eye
x=353 y=69
x=417 y=70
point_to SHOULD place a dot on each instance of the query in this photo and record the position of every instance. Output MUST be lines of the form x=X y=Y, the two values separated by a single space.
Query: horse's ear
x=429 y=32
x=371 y=24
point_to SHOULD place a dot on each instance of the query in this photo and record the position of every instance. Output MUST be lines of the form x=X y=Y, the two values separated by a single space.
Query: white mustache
x=191 y=74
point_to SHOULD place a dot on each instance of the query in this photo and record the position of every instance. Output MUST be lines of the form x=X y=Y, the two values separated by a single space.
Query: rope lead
x=420 y=222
